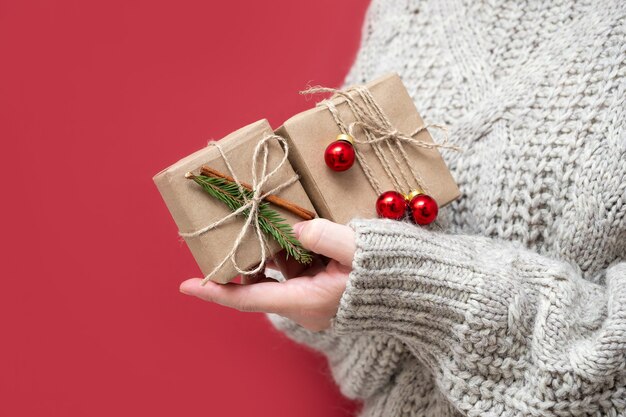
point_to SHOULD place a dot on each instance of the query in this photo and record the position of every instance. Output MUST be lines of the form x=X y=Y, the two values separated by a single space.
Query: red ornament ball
x=339 y=155
x=391 y=205
x=424 y=209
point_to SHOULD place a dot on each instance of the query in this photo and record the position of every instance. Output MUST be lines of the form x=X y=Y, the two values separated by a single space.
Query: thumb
x=322 y=236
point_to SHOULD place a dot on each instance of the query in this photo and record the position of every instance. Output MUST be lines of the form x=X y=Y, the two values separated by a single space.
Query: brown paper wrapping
x=192 y=208
x=341 y=196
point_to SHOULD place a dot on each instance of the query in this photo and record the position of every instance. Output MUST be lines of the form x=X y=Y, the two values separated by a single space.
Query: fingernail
x=184 y=288
x=297 y=228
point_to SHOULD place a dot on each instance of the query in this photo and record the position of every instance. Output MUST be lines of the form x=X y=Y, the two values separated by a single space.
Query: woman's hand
x=311 y=299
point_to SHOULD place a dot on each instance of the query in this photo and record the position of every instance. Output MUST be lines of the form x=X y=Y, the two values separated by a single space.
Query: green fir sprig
x=270 y=221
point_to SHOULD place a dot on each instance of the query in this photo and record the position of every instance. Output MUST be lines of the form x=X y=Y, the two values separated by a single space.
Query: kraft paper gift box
x=340 y=196
x=192 y=208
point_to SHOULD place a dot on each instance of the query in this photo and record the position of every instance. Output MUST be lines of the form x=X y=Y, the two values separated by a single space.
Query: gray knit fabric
x=514 y=302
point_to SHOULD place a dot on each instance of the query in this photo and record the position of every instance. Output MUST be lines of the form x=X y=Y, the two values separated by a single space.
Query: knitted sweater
x=514 y=302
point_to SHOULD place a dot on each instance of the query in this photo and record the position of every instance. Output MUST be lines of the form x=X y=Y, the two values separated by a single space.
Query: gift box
x=340 y=196
x=193 y=209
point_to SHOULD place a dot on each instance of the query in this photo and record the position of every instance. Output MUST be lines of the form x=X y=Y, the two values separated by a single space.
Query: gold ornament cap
x=413 y=193
x=346 y=138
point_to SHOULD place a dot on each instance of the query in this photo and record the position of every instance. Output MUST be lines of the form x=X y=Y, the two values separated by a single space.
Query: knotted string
x=251 y=203
x=380 y=135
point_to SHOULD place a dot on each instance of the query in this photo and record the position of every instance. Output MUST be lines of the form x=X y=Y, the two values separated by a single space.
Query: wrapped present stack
x=362 y=152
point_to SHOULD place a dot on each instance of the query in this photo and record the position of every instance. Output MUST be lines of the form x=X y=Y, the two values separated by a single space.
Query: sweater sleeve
x=361 y=364
x=499 y=325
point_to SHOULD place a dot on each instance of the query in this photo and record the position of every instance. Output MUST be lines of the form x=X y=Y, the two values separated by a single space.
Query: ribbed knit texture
x=514 y=302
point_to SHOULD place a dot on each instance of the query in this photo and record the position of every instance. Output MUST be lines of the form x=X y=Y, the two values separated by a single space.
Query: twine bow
x=251 y=203
x=379 y=131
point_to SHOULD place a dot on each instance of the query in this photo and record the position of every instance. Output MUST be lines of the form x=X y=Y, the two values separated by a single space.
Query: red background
x=95 y=98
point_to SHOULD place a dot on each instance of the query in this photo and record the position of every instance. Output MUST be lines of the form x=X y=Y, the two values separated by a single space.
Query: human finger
x=327 y=238
x=269 y=297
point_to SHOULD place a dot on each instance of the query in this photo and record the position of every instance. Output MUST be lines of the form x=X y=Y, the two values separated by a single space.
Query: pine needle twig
x=270 y=221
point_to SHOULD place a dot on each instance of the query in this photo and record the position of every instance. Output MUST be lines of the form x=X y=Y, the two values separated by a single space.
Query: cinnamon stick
x=274 y=199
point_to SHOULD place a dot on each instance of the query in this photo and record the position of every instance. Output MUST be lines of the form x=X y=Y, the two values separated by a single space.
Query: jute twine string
x=363 y=113
x=259 y=181
x=392 y=142
x=380 y=134
x=345 y=129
